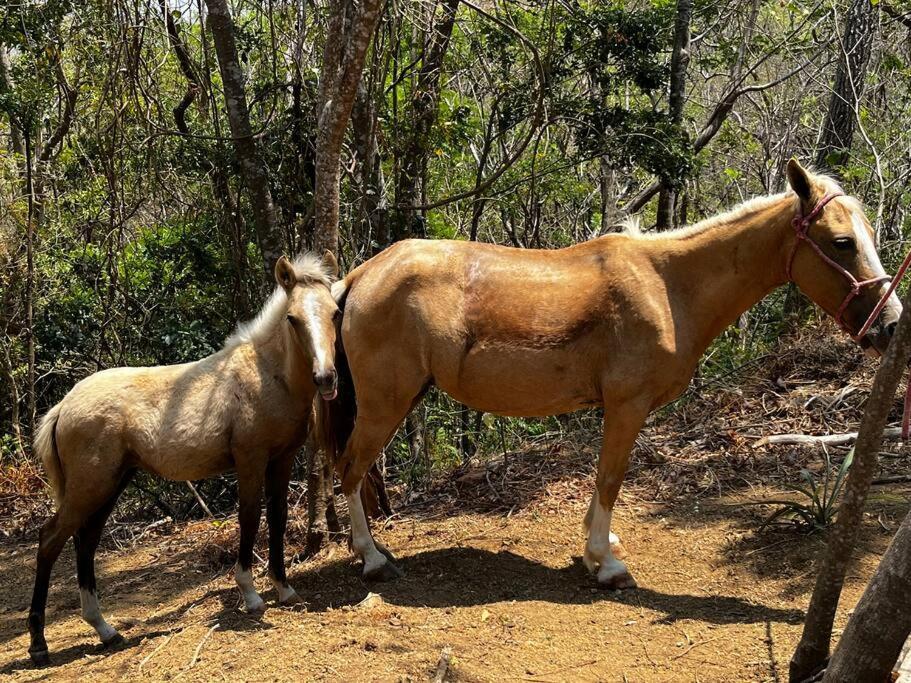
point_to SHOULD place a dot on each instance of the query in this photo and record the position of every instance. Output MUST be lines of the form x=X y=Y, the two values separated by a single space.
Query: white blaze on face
x=867 y=250
x=319 y=343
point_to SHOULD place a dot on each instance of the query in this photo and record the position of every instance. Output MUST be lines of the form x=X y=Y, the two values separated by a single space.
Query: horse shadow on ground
x=468 y=577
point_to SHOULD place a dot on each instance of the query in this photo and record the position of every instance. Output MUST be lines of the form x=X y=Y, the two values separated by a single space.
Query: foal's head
x=312 y=313
x=835 y=262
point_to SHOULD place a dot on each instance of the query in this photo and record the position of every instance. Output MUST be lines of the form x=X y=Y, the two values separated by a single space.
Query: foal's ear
x=330 y=263
x=799 y=179
x=284 y=274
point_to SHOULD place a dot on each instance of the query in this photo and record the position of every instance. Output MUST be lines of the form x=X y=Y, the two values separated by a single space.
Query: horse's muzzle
x=326 y=383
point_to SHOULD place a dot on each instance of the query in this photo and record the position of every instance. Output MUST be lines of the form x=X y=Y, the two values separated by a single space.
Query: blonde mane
x=309 y=269
x=632 y=225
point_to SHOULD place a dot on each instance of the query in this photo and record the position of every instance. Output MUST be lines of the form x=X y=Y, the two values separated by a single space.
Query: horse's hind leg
x=278 y=474
x=621 y=425
x=53 y=536
x=86 y=541
x=250 y=476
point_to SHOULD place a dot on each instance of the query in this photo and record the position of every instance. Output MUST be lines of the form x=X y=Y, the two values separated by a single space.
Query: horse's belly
x=522 y=382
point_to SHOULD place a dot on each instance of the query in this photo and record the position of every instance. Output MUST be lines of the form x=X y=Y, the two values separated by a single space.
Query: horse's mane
x=309 y=269
x=632 y=226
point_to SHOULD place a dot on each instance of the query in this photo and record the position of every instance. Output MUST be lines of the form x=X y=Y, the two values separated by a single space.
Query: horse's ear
x=800 y=181
x=284 y=274
x=330 y=263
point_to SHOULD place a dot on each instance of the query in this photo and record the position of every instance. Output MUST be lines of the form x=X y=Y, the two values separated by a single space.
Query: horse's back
x=493 y=326
x=158 y=418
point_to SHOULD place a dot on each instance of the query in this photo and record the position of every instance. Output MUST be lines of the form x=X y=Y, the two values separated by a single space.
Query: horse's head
x=313 y=314
x=834 y=261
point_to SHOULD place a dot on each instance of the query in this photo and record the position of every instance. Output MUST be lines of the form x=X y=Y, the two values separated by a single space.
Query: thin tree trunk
x=873 y=638
x=856 y=46
x=351 y=27
x=813 y=649
x=252 y=166
x=30 y=291
x=679 y=60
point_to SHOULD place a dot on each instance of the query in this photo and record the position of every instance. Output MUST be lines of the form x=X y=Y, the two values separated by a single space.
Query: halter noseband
x=801 y=225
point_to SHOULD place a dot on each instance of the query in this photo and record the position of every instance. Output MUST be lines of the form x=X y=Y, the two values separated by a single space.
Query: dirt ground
x=492 y=566
x=507 y=594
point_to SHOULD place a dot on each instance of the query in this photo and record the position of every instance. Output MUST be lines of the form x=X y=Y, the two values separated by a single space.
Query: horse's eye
x=843 y=243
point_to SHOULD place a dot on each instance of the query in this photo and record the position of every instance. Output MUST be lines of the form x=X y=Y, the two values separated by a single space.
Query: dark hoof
x=40 y=658
x=383 y=549
x=619 y=582
x=385 y=572
x=114 y=642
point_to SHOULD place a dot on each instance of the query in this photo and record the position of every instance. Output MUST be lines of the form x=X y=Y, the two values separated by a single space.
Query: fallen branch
x=442 y=665
x=826 y=439
x=202 y=503
x=201 y=643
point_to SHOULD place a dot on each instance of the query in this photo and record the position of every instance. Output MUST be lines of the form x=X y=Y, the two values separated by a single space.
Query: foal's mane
x=310 y=270
x=631 y=226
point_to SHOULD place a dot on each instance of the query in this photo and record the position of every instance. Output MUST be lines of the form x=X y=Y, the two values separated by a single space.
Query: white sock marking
x=244 y=579
x=598 y=554
x=361 y=539
x=91 y=612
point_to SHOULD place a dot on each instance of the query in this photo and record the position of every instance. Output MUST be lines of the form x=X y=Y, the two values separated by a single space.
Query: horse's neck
x=715 y=275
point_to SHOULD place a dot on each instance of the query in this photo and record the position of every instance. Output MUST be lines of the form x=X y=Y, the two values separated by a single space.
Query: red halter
x=801 y=225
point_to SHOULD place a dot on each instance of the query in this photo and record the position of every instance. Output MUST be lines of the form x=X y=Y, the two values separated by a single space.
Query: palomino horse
x=619 y=322
x=247 y=407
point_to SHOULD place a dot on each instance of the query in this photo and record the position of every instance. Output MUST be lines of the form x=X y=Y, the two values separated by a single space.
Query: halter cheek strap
x=801 y=225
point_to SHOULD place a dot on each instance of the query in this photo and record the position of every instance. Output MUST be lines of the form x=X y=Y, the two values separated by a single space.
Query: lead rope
x=801 y=228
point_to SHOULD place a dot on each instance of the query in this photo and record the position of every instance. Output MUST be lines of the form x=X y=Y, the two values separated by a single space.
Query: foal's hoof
x=385 y=572
x=255 y=607
x=40 y=658
x=618 y=582
x=292 y=599
x=383 y=549
x=114 y=641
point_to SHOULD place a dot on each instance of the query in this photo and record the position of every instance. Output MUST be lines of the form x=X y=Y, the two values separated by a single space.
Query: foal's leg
x=621 y=425
x=86 y=541
x=53 y=536
x=278 y=474
x=250 y=492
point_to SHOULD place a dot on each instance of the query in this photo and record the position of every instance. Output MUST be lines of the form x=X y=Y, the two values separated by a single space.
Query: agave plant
x=815 y=509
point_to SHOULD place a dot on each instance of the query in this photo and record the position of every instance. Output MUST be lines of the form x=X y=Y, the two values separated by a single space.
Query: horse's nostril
x=323 y=379
x=890 y=329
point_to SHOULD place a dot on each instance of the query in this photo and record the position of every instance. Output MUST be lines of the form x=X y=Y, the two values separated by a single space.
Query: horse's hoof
x=292 y=599
x=385 y=572
x=618 y=582
x=40 y=658
x=255 y=607
x=114 y=641
x=383 y=549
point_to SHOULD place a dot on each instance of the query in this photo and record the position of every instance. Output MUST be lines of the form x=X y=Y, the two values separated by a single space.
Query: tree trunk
x=252 y=166
x=679 y=60
x=813 y=649
x=425 y=100
x=856 y=45
x=873 y=639
x=351 y=26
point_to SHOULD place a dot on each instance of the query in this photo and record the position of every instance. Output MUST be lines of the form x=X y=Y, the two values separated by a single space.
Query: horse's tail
x=46 y=449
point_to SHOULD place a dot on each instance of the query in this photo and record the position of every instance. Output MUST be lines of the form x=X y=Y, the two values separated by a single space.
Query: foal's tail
x=46 y=449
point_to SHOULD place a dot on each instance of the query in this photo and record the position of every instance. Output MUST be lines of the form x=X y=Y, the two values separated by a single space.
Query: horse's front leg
x=278 y=474
x=621 y=425
x=250 y=476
